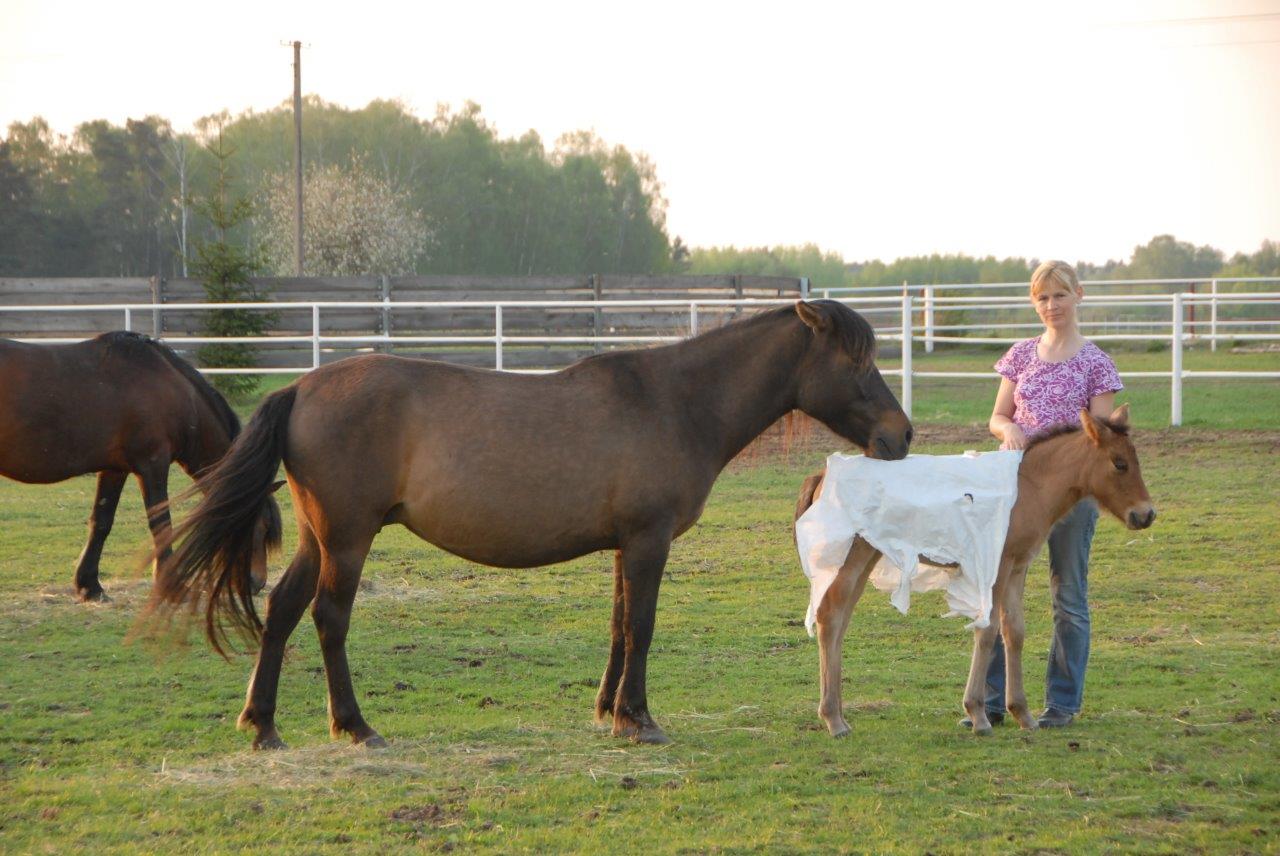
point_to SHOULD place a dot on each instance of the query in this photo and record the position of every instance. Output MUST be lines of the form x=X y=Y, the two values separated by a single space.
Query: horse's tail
x=213 y=548
x=808 y=491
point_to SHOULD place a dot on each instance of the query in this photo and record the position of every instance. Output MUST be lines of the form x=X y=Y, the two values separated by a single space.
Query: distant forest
x=457 y=198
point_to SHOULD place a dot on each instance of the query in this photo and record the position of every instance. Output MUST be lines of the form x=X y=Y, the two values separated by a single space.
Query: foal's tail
x=213 y=548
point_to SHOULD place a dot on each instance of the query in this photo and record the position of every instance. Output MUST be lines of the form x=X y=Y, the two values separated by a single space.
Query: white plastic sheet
x=951 y=509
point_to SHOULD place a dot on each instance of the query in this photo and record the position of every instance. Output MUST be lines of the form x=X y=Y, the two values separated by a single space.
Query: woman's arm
x=1001 y=424
x=1102 y=405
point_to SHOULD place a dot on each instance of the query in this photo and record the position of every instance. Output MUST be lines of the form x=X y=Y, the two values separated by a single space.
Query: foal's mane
x=128 y=343
x=1072 y=428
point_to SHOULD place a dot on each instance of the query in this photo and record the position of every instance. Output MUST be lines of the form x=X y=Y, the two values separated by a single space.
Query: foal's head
x=840 y=385
x=1112 y=474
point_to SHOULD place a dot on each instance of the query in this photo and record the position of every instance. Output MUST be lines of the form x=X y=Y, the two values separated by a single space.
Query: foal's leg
x=617 y=649
x=1013 y=629
x=341 y=562
x=153 y=476
x=984 y=643
x=295 y=589
x=833 y=620
x=642 y=562
x=110 y=483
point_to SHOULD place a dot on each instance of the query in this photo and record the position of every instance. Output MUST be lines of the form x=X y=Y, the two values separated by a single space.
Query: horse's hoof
x=373 y=741
x=270 y=741
x=652 y=735
x=840 y=730
x=983 y=731
x=96 y=595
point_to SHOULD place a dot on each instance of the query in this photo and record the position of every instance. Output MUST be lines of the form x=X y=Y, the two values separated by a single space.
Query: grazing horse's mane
x=856 y=336
x=126 y=342
x=1073 y=427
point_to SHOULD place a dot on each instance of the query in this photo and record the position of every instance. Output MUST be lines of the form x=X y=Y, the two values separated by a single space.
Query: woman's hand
x=1013 y=437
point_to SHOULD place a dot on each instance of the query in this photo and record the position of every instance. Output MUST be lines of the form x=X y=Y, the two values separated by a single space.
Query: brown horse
x=117 y=404
x=1094 y=459
x=617 y=452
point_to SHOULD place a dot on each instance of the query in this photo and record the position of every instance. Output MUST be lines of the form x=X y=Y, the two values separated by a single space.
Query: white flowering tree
x=354 y=223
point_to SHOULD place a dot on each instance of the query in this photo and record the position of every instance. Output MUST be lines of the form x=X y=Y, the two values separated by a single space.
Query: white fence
x=892 y=314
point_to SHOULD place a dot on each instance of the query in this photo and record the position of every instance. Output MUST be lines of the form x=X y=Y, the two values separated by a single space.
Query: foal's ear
x=1092 y=427
x=1120 y=415
x=815 y=319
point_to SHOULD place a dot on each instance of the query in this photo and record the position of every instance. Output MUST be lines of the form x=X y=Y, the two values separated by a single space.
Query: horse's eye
x=1121 y=464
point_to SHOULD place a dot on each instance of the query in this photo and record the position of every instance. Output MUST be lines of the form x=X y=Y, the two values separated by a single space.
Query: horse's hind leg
x=285 y=605
x=110 y=483
x=984 y=643
x=1013 y=630
x=833 y=620
x=617 y=649
x=339 y=578
x=642 y=563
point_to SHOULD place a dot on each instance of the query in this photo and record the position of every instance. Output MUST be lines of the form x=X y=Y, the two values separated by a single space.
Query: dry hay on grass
x=332 y=768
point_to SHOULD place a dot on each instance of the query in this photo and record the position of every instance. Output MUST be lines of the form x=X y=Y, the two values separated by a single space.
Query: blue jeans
x=1069 y=543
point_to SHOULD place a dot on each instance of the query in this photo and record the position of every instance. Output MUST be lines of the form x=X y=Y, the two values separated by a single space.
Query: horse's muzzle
x=1142 y=519
x=890 y=446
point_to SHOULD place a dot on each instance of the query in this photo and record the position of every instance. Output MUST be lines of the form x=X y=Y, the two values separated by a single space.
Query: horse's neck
x=1051 y=479
x=737 y=381
x=205 y=443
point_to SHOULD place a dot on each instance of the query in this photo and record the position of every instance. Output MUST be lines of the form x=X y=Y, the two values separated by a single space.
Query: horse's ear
x=1120 y=415
x=812 y=317
x=1091 y=426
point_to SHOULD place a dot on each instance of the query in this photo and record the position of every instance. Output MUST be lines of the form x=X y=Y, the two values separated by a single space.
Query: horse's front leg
x=153 y=476
x=1013 y=629
x=984 y=643
x=833 y=620
x=617 y=648
x=643 y=559
x=103 y=515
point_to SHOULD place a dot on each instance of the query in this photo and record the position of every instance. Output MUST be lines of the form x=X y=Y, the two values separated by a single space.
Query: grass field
x=483 y=681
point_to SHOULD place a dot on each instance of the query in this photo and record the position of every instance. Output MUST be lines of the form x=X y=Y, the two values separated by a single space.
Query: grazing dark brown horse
x=1094 y=459
x=117 y=404
x=616 y=452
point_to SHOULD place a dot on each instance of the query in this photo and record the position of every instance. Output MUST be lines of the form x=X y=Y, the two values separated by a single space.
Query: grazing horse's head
x=266 y=538
x=840 y=385
x=1114 y=477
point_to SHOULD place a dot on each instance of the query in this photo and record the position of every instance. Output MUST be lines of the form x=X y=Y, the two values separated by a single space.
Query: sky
x=874 y=130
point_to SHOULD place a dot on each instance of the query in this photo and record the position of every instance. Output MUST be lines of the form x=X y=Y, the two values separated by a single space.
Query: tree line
x=395 y=193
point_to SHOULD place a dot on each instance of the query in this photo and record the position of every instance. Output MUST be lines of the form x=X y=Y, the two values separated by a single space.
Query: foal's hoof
x=839 y=729
x=983 y=730
x=268 y=741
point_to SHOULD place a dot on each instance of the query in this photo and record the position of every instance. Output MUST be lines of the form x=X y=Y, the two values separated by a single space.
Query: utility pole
x=297 y=157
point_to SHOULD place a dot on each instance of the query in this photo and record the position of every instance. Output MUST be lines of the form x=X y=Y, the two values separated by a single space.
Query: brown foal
x=1095 y=459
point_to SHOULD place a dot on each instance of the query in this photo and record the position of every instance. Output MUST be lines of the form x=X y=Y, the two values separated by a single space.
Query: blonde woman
x=1046 y=382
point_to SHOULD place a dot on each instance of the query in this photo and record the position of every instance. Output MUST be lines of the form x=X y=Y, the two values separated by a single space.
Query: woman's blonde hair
x=1054 y=272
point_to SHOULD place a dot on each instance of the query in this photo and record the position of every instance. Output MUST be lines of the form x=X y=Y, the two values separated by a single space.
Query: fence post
x=497 y=336
x=384 y=286
x=315 y=336
x=1213 y=315
x=157 y=297
x=597 y=316
x=928 y=319
x=128 y=319
x=1175 y=416
x=693 y=319
x=804 y=288
x=906 y=354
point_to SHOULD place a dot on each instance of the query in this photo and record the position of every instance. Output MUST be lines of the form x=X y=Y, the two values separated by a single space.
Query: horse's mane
x=857 y=338
x=124 y=341
x=1072 y=428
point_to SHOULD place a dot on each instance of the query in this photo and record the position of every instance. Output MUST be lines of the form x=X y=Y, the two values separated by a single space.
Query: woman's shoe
x=1054 y=718
x=995 y=717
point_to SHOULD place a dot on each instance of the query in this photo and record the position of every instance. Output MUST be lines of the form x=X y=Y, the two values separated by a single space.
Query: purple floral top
x=1048 y=394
